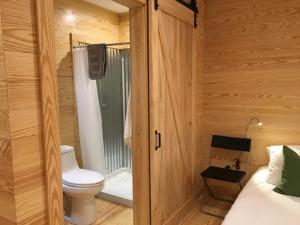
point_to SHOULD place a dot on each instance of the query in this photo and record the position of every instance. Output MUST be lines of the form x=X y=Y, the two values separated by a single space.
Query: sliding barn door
x=171 y=63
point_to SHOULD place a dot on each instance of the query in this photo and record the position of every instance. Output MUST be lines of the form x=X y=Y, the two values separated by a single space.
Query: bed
x=258 y=204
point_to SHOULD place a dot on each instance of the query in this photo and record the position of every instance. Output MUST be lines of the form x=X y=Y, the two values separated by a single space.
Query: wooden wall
x=198 y=94
x=7 y=208
x=22 y=189
x=124 y=27
x=92 y=24
x=251 y=69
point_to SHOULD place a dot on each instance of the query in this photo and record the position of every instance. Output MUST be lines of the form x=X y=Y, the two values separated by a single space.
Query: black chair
x=224 y=174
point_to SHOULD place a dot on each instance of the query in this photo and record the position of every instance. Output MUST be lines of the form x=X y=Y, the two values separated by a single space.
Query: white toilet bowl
x=81 y=186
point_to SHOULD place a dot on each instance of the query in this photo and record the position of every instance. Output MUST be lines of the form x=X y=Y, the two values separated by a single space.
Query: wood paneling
x=92 y=24
x=197 y=82
x=24 y=122
x=23 y=191
x=7 y=199
x=19 y=26
x=124 y=28
x=50 y=117
x=140 y=123
x=252 y=65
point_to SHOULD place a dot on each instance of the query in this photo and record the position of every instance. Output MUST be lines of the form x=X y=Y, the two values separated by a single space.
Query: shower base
x=118 y=187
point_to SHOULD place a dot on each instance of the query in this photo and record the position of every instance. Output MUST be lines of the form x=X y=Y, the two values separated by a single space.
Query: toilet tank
x=68 y=158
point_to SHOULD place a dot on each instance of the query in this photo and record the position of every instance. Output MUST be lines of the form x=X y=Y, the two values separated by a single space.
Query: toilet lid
x=82 y=178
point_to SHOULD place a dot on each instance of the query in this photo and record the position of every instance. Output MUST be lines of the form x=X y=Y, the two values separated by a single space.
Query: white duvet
x=258 y=204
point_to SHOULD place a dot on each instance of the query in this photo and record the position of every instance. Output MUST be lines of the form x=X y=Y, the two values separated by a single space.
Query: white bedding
x=258 y=204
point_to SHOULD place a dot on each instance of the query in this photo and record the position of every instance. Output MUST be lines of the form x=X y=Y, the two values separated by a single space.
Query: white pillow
x=276 y=162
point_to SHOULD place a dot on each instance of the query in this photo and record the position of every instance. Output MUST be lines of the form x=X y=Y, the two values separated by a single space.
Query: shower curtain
x=89 y=115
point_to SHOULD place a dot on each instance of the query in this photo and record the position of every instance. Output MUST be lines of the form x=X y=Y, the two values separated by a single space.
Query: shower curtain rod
x=84 y=44
x=120 y=43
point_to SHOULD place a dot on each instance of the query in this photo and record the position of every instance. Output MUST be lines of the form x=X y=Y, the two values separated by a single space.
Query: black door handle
x=158 y=140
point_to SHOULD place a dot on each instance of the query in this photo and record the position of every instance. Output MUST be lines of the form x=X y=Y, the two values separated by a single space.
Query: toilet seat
x=81 y=178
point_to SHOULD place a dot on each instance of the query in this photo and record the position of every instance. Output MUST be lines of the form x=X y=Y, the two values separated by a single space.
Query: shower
x=113 y=92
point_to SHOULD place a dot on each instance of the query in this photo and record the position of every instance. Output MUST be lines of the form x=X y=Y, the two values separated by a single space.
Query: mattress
x=258 y=204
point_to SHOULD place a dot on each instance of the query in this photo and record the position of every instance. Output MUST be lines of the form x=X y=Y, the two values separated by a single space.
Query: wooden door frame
x=140 y=110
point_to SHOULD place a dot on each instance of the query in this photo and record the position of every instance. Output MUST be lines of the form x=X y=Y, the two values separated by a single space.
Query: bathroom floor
x=112 y=214
x=118 y=187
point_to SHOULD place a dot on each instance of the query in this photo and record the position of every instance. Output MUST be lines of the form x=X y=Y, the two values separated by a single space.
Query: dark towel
x=97 y=61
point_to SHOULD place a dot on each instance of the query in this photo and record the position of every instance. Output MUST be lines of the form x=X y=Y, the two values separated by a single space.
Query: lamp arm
x=248 y=124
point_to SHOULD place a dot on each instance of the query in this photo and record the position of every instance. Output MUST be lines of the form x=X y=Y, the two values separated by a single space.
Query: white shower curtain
x=89 y=115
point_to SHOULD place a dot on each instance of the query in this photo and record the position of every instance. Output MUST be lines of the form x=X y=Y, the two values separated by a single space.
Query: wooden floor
x=112 y=214
x=195 y=217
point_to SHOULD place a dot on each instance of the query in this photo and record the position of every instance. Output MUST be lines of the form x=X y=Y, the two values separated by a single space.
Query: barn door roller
x=191 y=4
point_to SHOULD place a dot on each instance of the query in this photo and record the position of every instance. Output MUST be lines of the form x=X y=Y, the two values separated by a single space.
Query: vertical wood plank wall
x=140 y=115
x=21 y=139
x=252 y=69
x=92 y=24
x=198 y=95
x=49 y=111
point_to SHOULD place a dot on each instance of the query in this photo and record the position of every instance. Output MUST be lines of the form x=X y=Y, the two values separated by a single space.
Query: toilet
x=80 y=186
